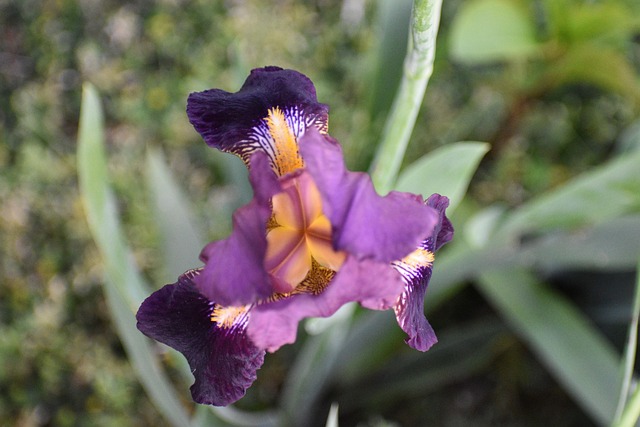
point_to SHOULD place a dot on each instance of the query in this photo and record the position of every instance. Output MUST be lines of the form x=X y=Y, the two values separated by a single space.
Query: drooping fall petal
x=416 y=269
x=222 y=358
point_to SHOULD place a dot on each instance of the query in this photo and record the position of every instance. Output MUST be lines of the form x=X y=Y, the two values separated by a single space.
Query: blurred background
x=557 y=98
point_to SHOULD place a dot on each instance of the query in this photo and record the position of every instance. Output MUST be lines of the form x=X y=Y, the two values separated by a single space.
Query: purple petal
x=375 y=285
x=223 y=361
x=234 y=272
x=416 y=271
x=410 y=307
x=443 y=232
x=364 y=224
x=234 y=122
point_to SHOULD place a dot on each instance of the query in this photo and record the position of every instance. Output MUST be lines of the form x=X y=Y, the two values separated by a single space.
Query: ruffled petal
x=223 y=360
x=272 y=107
x=416 y=269
x=375 y=285
x=234 y=272
x=443 y=232
x=364 y=224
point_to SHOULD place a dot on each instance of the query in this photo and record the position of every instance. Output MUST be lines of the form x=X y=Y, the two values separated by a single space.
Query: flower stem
x=418 y=67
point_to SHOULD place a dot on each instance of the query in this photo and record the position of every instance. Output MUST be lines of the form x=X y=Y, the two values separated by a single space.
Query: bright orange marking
x=287 y=158
x=301 y=239
x=225 y=317
x=419 y=258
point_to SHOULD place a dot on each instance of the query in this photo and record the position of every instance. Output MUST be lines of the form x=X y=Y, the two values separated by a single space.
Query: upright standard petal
x=223 y=360
x=273 y=108
x=364 y=223
x=416 y=271
x=234 y=272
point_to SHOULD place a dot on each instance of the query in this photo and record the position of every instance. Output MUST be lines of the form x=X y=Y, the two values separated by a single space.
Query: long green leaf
x=612 y=245
x=311 y=372
x=332 y=419
x=124 y=287
x=604 y=193
x=446 y=170
x=591 y=63
x=573 y=351
x=100 y=204
x=181 y=236
x=631 y=412
x=630 y=351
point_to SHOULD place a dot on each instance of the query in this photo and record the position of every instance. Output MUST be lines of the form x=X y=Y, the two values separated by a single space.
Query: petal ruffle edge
x=364 y=224
x=375 y=285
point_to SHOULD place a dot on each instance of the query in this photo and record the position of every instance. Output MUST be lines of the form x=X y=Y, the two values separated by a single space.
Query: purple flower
x=314 y=237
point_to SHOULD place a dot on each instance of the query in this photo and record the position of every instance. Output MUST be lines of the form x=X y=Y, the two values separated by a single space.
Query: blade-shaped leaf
x=332 y=419
x=491 y=30
x=604 y=193
x=612 y=245
x=573 y=351
x=597 y=65
x=100 y=204
x=630 y=353
x=124 y=287
x=446 y=170
x=181 y=236
x=631 y=412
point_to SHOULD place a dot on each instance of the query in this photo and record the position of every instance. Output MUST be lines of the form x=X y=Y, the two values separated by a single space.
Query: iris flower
x=314 y=237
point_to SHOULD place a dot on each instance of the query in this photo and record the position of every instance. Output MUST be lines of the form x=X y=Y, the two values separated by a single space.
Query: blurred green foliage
x=563 y=100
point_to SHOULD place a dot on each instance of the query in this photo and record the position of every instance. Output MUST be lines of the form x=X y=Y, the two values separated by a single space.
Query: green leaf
x=602 y=194
x=492 y=30
x=332 y=419
x=571 y=348
x=392 y=26
x=601 y=66
x=446 y=170
x=629 y=359
x=610 y=246
x=100 y=204
x=124 y=287
x=181 y=235
x=610 y=23
x=631 y=412
x=461 y=352
x=309 y=376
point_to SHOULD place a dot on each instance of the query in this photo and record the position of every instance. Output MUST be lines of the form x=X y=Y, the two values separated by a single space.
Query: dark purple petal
x=223 y=361
x=416 y=271
x=234 y=272
x=364 y=224
x=375 y=285
x=234 y=122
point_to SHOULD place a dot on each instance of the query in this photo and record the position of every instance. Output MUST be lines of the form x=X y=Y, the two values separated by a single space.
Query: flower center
x=302 y=235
